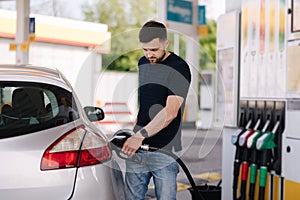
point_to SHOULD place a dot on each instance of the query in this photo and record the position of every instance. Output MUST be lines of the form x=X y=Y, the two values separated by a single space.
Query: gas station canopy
x=50 y=29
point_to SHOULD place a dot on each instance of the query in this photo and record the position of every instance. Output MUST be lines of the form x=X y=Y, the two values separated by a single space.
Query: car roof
x=31 y=73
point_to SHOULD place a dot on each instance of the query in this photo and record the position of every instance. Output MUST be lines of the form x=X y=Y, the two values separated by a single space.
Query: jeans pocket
x=136 y=158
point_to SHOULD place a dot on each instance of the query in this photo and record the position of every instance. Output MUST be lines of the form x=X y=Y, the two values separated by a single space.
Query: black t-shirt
x=156 y=82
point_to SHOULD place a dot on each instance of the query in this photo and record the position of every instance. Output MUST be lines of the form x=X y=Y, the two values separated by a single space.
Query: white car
x=49 y=148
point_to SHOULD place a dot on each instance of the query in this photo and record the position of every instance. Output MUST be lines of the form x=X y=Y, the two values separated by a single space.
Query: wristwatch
x=144 y=133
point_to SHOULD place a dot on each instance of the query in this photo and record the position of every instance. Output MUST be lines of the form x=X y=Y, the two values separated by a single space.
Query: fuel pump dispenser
x=267 y=150
x=258 y=148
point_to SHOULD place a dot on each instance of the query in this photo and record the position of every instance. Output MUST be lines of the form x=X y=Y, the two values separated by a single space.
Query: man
x=164 y=80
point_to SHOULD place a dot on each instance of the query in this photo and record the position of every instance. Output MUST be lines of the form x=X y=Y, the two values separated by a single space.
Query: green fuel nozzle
x=266 y=141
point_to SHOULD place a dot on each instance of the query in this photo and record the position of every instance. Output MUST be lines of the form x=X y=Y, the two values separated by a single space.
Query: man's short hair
x=151 y=30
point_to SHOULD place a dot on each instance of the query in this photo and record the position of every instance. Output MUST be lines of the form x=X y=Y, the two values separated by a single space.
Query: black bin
x=208 y=192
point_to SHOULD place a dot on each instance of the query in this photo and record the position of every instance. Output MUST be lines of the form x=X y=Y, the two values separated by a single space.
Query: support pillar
x=22 y=31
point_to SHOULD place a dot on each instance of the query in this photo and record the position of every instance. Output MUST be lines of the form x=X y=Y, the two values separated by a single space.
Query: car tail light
x=77 y=148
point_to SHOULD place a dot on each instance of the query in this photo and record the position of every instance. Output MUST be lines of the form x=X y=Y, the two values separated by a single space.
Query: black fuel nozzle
x=117 y=141
x=119 y=138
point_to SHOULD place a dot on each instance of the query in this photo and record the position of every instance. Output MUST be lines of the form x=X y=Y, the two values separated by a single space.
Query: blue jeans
x=145 y=165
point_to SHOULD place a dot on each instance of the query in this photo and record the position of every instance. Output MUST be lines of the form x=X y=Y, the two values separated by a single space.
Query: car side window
x=30 y=107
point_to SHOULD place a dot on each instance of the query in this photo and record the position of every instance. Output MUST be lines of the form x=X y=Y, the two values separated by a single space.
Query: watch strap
x=144 y=133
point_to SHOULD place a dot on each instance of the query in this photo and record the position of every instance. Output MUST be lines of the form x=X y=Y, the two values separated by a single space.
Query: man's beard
x=157 y=60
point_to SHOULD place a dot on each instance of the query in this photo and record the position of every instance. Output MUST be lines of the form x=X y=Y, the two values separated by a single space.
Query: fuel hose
x=182 y=165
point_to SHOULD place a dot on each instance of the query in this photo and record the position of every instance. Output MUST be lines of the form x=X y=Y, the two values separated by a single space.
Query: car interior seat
x=6 y=109
x=6 y=112
x=28 y=103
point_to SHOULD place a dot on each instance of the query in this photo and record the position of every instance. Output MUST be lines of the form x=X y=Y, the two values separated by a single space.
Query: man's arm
x=159 y=122
x=165 y=116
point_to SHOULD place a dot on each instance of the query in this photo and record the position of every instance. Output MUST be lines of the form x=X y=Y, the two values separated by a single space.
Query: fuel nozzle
x=119 y=138
x=117 y=141
x=238 y=133
x=266 y=141
x=251 y=143
x=246 y=135
x=235 y=136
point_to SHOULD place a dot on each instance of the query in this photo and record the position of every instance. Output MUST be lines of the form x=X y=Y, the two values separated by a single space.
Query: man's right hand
x=132 y=144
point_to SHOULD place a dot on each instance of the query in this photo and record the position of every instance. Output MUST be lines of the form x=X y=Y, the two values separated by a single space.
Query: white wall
x=68 y=59
x=118 y=87
x=6 y=56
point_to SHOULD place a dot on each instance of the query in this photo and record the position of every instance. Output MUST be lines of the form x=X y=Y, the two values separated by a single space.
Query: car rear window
x=29 y=107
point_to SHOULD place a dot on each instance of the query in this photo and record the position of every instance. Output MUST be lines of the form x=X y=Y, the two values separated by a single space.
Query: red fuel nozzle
x=244 y=137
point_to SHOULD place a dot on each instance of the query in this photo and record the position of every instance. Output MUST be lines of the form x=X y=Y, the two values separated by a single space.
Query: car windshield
x=30 y=107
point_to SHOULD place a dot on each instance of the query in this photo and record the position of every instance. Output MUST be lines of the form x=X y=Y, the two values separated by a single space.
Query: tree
x=124 y=18
x=208 y=47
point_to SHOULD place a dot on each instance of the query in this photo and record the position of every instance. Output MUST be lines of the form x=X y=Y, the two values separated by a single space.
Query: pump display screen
x=226 y=86
x=293 y=70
